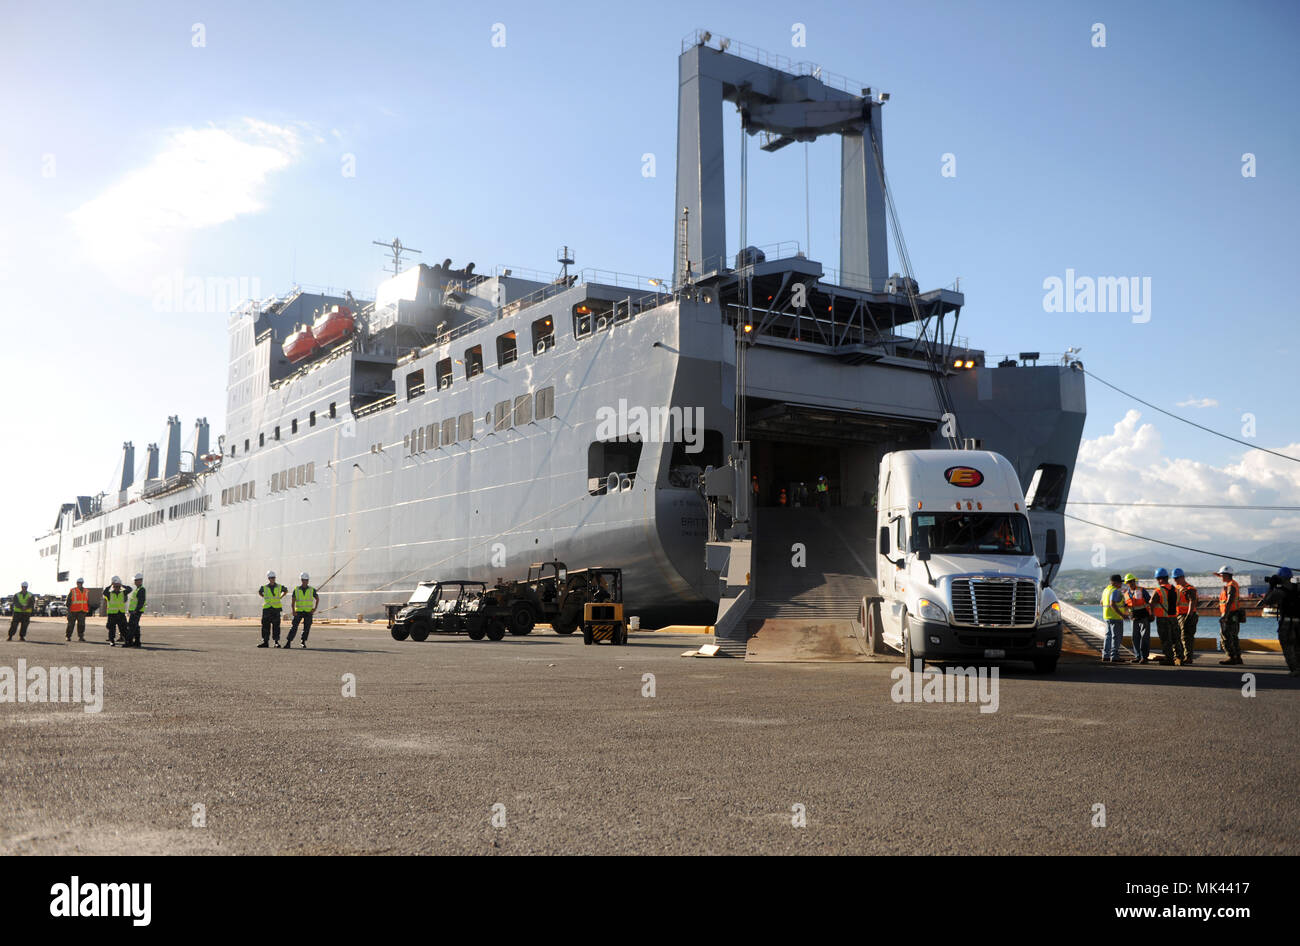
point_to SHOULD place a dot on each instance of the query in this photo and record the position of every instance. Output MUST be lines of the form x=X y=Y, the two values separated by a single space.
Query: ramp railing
x=1091 y=630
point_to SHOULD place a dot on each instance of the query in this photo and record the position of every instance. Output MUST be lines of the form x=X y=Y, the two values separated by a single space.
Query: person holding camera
x=1284 y=595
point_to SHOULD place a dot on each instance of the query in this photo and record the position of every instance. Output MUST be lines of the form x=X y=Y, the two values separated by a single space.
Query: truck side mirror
x=920 y=543
x=1053 y=550
x=883 y=545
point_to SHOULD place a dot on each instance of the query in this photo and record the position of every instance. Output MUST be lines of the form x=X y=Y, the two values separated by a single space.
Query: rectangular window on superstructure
x=473 y=361
x=275 y=482
x=293 y=426
x=277 y=431
x=311 y=472
x=465 y=426
x=543 y=335
x=507 y=349
x=443 y=368
x=545 y=403
x=501 y=415
x=420 y=438
x=523 y=410
x=261 y=440
x=431 y=436
x=414 y=384
x=311 y=419
x=301 y=475
x=232 y=449
x=449 y=431
x=252 y=489
x=334 y=412
x=245 y=444
x=406 y=442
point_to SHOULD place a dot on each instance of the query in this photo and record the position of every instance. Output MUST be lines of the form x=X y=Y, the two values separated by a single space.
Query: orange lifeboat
x=334 y=323
x=300 y=344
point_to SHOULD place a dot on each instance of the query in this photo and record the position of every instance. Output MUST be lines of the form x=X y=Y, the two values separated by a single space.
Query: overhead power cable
x=1188 y=548
x=1208 y=430
x=1081 y=502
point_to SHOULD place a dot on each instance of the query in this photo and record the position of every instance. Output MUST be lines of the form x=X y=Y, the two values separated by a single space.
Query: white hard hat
x=270 y=574
x=1225 y=570
x=24 y=584
x=81 y=581
x=139 y=576
x=304 y=576
x=116 y=580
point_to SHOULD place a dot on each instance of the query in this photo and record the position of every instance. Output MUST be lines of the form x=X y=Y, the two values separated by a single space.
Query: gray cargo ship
x=470 y=423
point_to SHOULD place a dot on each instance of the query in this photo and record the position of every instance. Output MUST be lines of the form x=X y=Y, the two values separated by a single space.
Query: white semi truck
x=957 y=572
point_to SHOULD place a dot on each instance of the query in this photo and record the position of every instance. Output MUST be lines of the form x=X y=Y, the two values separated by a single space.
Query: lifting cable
x=1188 y=548
x=1209 y=430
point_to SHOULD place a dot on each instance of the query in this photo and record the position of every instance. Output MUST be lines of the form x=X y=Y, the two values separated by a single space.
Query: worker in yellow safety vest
x=24 y=603
x=115 y=608
x=1114 y=611
x=305 y=602
x=78 y=608
x=272 y=596
x=135 y=604
x=1231 y=614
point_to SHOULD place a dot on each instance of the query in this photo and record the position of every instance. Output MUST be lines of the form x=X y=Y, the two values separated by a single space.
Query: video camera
x=1274 y=581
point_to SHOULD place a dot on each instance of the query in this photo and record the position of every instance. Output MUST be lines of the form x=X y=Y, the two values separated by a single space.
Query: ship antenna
x=565 y=258
x=397 y=249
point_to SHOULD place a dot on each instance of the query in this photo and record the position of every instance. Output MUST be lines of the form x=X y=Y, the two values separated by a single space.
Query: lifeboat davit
x=333 y=324
x=300 y=344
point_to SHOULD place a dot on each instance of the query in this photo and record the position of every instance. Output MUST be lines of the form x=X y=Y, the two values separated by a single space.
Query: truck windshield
x=421 y=594
x=976 y=533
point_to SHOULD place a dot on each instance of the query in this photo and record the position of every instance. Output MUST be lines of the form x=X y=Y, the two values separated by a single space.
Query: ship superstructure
x=472 y=423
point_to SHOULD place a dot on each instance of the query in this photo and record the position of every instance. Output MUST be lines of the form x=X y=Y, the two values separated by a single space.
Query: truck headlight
x=930 y=611
x=1051 y=614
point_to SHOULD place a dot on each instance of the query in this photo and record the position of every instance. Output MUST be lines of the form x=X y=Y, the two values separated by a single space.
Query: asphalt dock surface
x=541 y=745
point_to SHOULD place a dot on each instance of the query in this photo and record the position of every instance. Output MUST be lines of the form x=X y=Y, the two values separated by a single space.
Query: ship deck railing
x=375 y=406
x=818 y=329
x=773 y=60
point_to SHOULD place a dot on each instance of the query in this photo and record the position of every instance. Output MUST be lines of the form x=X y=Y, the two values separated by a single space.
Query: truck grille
x=994 y=602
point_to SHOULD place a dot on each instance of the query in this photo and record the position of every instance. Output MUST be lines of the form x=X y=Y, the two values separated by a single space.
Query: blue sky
x=131 y=155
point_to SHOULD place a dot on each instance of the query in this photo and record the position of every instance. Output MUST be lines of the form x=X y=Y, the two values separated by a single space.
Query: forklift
x=599 y=593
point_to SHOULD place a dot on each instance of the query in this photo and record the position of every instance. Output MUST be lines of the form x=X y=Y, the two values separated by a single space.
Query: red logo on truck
x=964 y=476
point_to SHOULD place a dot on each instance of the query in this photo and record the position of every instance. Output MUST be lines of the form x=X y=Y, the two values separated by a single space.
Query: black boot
x=264 y=644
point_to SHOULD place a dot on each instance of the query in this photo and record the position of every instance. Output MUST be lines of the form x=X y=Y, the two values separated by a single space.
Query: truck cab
x=957 y=572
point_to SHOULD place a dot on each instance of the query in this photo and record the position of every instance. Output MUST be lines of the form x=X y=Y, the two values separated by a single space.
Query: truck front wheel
x=400 y=632
x=420 y=630
x=495 y=630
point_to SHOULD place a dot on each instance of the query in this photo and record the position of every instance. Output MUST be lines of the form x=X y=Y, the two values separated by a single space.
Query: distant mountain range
x=1144 y=565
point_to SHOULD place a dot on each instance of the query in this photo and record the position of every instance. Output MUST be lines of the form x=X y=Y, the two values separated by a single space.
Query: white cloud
x=203 y=177
x=1199 y=402
x=1130 y=465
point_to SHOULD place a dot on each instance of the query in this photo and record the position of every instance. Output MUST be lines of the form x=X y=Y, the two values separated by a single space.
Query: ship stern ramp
x=813 y=583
